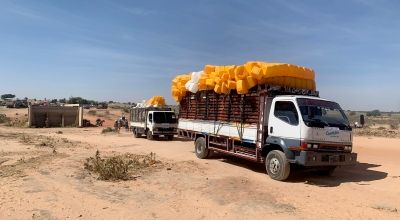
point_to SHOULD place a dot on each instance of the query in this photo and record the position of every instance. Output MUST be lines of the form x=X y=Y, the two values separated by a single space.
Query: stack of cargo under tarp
x=242 y=78
x=156 y=101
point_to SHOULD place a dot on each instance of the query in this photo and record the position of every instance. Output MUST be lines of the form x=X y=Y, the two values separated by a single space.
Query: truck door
x=283 y=124
x=149 y=121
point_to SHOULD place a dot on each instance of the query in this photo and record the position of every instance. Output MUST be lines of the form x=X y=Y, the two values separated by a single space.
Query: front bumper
x=312 y=158
x=164 y=133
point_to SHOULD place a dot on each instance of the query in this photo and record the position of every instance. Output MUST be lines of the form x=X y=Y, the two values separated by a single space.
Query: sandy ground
x=42 y=182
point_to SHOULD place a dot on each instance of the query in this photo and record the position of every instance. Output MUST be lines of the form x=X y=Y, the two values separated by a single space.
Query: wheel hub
x=274 y=165
x=198 y=148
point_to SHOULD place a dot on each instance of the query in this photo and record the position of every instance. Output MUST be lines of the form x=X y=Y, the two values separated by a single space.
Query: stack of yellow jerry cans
x=223 y=79
x=156 y=101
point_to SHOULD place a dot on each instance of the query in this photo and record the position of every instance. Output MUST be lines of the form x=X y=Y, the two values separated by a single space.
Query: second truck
x=153 y=122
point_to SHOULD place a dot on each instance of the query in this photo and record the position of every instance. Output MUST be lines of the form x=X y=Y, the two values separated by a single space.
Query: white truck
x=277 y=126
x=153 y=122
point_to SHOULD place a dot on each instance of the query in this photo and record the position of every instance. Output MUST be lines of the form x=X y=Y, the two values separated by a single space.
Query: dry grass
x=385 y=208
x=121 y=167
x=4 y=119
x=18 y=122
x=107 y=130
x=378 y=132
x=92 y=112
x=18 y=168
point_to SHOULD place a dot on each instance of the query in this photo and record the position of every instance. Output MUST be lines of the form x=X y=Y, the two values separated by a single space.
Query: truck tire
x=200 y=148
x=149 y=135
x=136 y=134
x=278 y=167
x=170 y=137
x=328 y=171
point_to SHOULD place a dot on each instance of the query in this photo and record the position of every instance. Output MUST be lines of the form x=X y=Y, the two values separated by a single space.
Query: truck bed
x=234 y=130
x=210 y=106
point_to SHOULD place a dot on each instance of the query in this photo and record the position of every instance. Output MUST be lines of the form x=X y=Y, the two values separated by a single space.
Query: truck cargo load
x=242 y=78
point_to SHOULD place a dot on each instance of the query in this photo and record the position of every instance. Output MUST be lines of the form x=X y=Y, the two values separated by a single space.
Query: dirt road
x=39 y=181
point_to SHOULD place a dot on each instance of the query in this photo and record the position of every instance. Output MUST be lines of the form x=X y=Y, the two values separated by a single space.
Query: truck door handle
x=271 y=130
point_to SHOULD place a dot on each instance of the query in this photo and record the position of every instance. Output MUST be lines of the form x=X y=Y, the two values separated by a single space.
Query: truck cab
x=311 y=131
x=153 y=122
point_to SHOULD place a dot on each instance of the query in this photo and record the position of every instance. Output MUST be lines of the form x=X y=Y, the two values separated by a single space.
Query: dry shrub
x=107 y=130
x=25 y=139
x=17 y=122
x=394 y=125
x=370 y=132
x=120 y=167
x=92 y=112
x=4 y=119
x=125 y=110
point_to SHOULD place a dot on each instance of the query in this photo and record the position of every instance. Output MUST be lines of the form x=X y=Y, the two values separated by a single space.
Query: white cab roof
x=294 y=97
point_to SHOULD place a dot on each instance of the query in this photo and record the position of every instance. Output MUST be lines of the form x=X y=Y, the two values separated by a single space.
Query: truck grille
x=331 y=148
x=165 y=129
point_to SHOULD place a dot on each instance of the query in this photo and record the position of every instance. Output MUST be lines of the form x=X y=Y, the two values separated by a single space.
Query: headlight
x=315 y=146
x=309 y=146
x=347 y=148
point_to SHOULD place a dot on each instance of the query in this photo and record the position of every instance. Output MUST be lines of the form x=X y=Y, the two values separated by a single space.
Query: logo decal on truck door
x=332 y=132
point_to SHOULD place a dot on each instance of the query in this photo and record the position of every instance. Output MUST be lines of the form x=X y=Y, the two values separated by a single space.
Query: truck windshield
x=164 y=117
x=320 y=113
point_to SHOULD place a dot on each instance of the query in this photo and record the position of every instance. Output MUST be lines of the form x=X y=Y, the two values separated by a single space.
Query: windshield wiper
x=341 y=124
x=319 y=120
x=316 y=122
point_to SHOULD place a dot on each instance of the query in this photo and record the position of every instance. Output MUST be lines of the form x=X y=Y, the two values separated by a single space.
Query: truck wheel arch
x=200 y=135
x=274 y=143
x=267 y=148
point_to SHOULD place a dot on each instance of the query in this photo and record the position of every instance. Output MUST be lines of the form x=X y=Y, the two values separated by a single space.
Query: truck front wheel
x=149 y=135
x=200 y=148
x=278 y=167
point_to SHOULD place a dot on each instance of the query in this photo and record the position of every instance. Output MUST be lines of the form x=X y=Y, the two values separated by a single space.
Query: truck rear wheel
x=200 y=148
x=278 y=167
x=149 y=135
x=170 y=137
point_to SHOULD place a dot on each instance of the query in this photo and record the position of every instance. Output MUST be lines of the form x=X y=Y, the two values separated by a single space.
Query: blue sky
x=130 y=50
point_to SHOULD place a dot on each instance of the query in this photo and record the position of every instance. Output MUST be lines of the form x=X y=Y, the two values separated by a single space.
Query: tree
x=77 y=100
x=80 y=100
x=63 y=100
x=374 y=113
x=7 y=96
x=53 y=101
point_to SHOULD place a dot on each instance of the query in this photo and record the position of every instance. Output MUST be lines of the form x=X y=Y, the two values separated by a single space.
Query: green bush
x=374 y=113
